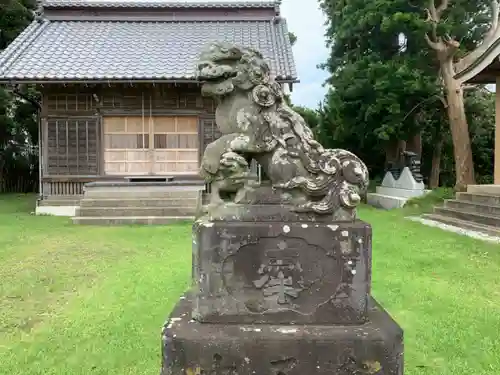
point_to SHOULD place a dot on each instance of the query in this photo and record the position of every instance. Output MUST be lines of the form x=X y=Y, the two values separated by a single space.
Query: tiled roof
x=161 y=4
x=98 y=50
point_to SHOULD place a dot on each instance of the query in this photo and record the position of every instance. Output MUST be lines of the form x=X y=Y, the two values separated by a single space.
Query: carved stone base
x=276 y=271
x=192 y=348
x=404 y=181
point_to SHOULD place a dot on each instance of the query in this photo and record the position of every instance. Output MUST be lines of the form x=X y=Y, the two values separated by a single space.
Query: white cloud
x=307 y=21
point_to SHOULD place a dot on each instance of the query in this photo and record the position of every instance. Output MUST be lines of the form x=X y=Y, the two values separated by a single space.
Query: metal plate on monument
x=281 y=272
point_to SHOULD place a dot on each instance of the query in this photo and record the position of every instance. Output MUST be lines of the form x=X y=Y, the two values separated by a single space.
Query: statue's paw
x=240 y=143
x=293 y=154
x=215 y=201
x=284 y=185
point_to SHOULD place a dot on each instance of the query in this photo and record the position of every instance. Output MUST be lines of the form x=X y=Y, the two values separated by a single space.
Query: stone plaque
x=274 y=272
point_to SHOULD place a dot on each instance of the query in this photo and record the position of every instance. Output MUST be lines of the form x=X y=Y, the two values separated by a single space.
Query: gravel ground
x=452 y=228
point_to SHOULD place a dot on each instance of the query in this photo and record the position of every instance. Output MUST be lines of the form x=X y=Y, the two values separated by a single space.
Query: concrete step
x=486 y=229
x=479 y=198
x=63 y=197
x=483 y=219
x=135 y=211
x=146 y=202
x=386 y=202
x=141 y=194
x=58 y=202
x=478 y=208
x=131 y=220
x=401 y=193
x=484 y=189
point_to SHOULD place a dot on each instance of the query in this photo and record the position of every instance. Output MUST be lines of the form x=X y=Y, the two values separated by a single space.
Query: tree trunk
x=436 y=164
x=414 y=144
x=464 y=165
x=393 y=152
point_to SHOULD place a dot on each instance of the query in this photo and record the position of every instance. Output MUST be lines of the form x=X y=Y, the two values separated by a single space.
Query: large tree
x=463 y=23
x=381 y=78
x=17 y=116
x=387 y=94
x=15 y=15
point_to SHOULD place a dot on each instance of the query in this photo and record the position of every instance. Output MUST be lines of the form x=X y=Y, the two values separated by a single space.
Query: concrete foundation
x=395 y=193
x=68 y=211
x=190 y=347
x=386 y=202
x=391 y=198
x=279 y=292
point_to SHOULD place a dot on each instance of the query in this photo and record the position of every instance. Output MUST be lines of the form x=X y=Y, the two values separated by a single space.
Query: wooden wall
x=71 y=121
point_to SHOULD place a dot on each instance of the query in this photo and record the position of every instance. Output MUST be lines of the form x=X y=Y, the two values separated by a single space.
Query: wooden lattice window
x=70 y=102
x=210 y=131
x=72 y=146
x=175 y=144
x=150 y=145
x=126 y=145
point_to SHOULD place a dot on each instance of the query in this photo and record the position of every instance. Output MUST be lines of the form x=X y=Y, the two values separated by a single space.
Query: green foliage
x=6 y=120
x=384 y=85
x=15 y=15
x=311 y=116
x=480 y=110
x=378 y=76
x=18 y=123
x=428 y=202
x=104 y=291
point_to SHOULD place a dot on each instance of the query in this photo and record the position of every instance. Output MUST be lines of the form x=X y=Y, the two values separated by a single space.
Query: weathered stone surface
x=193 y=348
x=281 y=266
x=281 y=272
x=394 y=193
x=405 y=181
x=257 y=124
x=266 y=204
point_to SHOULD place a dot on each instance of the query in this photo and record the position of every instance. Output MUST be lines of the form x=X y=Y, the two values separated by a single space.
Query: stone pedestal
x=193 y=348
x=394 y=193
x=280 y=294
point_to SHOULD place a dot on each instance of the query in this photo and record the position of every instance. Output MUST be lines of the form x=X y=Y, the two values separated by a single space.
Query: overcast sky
x=306 y=20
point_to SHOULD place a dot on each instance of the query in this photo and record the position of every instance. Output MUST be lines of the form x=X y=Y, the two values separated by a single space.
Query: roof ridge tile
x=19 y=45
x=121 y=50
x=161 y=4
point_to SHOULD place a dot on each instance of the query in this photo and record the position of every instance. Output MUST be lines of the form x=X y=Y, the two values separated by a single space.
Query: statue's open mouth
x=216 y=78
x=210 y=72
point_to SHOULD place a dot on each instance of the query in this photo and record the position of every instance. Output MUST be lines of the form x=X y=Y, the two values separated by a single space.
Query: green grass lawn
x=92 y=300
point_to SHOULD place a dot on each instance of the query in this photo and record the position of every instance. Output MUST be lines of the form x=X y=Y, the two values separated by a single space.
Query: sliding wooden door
x=161 y=145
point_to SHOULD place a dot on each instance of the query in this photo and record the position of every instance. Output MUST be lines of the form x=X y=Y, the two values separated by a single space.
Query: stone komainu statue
x=256 y=123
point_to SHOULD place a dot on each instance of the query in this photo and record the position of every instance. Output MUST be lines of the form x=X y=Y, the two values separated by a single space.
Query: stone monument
x=281 y=267
x=401 y=182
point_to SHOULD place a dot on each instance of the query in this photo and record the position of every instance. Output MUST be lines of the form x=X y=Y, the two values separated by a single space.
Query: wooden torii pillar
x=486 y=70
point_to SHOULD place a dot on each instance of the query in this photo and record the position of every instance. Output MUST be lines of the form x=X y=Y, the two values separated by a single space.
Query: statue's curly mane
x=259 y=124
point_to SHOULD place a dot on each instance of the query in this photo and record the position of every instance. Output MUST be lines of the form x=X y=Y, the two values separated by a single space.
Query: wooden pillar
x=497 y=134
x=41 y=147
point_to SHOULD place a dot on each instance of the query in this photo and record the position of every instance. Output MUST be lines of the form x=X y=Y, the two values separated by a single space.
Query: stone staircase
x=124 y=203
x=478 y=209
x=58 y=205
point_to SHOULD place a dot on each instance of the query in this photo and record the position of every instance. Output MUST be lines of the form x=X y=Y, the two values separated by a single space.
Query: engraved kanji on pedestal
x=281 y=278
